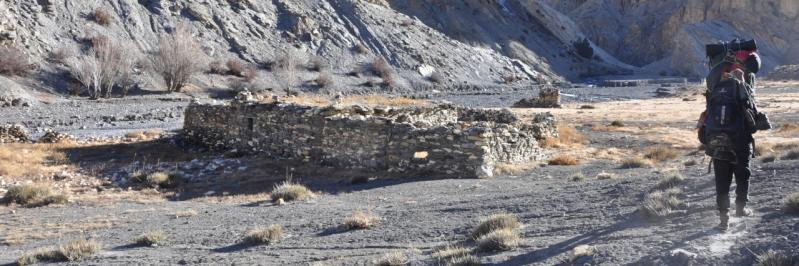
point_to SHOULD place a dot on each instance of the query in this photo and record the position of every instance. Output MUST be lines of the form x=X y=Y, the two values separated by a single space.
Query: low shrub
x=236 y=67
x=72 y=251
x=669 y=181
x=791 y=155
x=496 y=222
x=14 y=62
x=152 y=238
x=361 y=220
x=635 y=162
x=577 y=177
x=289 y=191
x=102 y=17
x=396 y=258
x=264 y=236
x=564 y=159
x=660 y=153
x=660 y=204
x=499 y=240
x=617 y=123
x=324 y=80
x=33 y=195
x=773 y=258
x=791 y=203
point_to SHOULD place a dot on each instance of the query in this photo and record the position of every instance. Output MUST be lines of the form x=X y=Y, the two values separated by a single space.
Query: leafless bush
x=108 y=64
x=324 y=80
x=381 y=68
x=316 y=64
x=13 y=62
x=61 y=55
x=236 y=67
x=287 y=66
x=102 y=17
x=177 y=58
x=360 y=48
x=250 y=74
x=510 y=78
x=217 y=67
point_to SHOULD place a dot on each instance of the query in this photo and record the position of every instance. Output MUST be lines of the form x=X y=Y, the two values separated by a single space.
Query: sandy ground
x=229 y=196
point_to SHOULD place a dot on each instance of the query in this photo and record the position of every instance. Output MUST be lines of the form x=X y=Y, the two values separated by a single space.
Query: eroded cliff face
x=670 y=35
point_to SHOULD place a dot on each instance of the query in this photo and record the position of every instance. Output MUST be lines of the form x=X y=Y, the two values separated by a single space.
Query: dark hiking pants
x=724 y=171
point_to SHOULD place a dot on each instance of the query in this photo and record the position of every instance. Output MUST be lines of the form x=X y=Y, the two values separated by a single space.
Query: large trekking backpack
x=725 y=119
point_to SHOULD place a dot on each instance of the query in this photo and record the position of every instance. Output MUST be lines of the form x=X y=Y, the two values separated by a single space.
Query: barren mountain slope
x=672 y=34
x=257 y=30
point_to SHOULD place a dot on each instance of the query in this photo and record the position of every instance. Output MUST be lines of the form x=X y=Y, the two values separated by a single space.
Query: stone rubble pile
x=13 y=133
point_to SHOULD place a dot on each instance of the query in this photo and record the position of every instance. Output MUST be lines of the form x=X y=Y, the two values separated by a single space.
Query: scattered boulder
x=547 y=98
x=52 y=136
x=681 y=256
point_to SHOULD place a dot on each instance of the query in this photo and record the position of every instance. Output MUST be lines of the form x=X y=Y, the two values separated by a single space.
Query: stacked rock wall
x=440 y=141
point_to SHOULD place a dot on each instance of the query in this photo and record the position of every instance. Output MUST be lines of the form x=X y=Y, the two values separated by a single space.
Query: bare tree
x=287 y=68
x=107 y=65
x=88 y=71
x=177 y=58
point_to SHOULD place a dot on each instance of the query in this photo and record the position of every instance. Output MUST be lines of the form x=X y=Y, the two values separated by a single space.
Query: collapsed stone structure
x=547 y=98
x=435 y=141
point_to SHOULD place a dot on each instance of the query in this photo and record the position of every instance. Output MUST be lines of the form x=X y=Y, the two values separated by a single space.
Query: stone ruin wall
x=439 y=141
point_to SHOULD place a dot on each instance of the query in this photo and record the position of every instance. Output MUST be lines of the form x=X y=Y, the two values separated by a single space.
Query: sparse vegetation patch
x=496 y=222
x=791 y=155
x=791 y=203
x=660 y=204
x=361 y=220
x=264 y=236
x=564 y=159
x=661 y=153
x=396 y=258
x=72 y=251
x=290 y=191
x=33 y=195
x=635 y=162
x=499 y=240
x=152 y=238
x=774 y=258
x=669 y=181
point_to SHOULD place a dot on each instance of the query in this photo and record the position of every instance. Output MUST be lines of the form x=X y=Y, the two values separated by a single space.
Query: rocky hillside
x=670 y=35
x=472 y=42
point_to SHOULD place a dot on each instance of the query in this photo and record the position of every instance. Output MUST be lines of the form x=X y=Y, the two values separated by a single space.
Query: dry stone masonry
x=437 y=141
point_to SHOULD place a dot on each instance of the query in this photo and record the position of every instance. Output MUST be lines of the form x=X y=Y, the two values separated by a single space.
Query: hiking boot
x=743 y=212
x=725 y=222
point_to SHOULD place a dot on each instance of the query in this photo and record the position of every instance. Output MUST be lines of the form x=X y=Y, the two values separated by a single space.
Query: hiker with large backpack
x=729 y=120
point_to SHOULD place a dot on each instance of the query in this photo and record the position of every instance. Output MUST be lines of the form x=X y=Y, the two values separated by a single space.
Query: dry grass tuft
x=669 y=181
x=468 y=260
x=158 y=179
x=102 y=17
x=152 y=238
x=361 y=220
x=789 y=130
x=568 y=136
x=564 y=159
x=577 y=177
x=791 y=203
x=791 y=155
x=617 y=123
x=587 y=106
x=447 y=253
x=264 y=236
x=605 y=176
x=144 y=135
x=496 y=222
x=290 y=191
x=514 y=168
x=661 y=153
x=33 y=195
x=773 y=258
x=660 y=204
x=186 y=213
x=499 y=240
x=635 y=162
x=324 y=80
x=72 y=251
x=396 y=258
x=768 y=158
